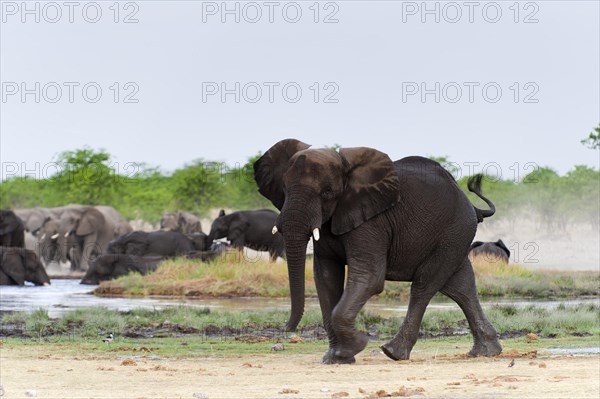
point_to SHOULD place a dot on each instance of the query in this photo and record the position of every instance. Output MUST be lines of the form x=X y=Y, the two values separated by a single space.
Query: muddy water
x=65 y=295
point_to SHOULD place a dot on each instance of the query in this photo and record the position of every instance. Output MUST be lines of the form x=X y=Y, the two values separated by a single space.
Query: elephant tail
x=474 y=185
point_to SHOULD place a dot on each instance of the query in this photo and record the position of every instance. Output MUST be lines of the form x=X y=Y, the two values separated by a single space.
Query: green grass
x=232 y=276
x=80 y=331
x=562 y=320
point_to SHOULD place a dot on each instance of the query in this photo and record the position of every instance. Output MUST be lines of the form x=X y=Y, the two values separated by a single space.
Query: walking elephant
x=250 y=229
x=402 y=221
x=18 y=265
x=490 y=251
x=12 y=230
x=183 y=222
x=110 y=266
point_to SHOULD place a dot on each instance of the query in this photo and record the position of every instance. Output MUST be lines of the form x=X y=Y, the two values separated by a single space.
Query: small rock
x=278 y=347
x=200 y=395
x=324 y=389
x=31 y=393
x=1 y=390
x=296 y=340
x=376 y=352
x=341 y=394
x=128 y=362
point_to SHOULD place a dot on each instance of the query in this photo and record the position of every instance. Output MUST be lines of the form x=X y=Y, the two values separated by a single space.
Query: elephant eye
x=327 y=194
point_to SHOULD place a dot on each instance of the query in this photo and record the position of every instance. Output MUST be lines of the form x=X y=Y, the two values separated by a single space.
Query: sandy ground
x=34 y=372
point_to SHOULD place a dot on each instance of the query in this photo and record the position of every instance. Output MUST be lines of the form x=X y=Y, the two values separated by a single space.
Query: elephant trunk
x=63 y=249
x=297 y=224
x=296 y=259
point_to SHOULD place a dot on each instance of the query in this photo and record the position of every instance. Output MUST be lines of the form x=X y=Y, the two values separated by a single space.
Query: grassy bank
x=230 y=275
x=510 y=321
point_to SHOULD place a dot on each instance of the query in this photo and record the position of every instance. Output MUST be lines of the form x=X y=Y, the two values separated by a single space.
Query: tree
x=593 y=140
x=86 y=177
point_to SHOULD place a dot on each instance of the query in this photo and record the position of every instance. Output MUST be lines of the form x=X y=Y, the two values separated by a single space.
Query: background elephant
x=157 y=243
x=183 y=222
x=403 y=221
x=123 y=227
x=490 y=251
x=33 y=218
x=110 y=266
x=250 y=229
x=90 y=229
x=12 y=230
x=18 y=265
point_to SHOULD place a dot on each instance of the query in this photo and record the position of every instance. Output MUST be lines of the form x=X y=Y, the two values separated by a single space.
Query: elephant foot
x=395 y=351
x=487 y=348
x=352 y=348
x=331 y=358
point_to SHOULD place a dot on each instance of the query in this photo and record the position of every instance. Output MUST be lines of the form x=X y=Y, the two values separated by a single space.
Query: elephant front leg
x=329 y=280
x=361 y=285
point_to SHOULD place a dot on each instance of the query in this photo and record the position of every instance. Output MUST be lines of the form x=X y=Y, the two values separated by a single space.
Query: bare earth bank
x=33 y=371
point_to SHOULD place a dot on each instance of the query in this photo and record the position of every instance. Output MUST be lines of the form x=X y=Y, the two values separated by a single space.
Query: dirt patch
x=282 y=374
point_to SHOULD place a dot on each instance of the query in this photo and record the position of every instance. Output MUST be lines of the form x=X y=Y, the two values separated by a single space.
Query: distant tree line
x=89 y=177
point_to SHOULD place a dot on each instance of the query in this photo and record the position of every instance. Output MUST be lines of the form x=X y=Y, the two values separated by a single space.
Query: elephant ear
x=476 y=244
x=371 y=187
x=502 y=246
x=270 y=168
x=91 y=220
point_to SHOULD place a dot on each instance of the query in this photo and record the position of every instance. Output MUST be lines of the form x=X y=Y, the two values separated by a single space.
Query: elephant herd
x=371 y=219
x=99 y=241
x=96 y=239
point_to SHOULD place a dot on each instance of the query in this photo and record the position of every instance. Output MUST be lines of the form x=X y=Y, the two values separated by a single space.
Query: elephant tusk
x=274 y=230
x=66 y=234
x=316 y=235
x=54 y=237
x=46 y=284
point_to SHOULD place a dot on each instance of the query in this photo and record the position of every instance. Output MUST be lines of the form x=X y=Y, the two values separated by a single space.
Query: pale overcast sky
x=513 y=84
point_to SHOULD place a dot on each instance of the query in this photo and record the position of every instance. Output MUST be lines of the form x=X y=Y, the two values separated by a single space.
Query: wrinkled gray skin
x=403 y=221
x=183 y=222
x=18 y=265
x=490 y=251
x=250 y=229
x=85 y=232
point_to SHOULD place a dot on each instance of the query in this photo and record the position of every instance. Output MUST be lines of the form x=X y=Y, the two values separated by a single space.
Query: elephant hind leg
x=424 y=286
x=401 y=345
x=461 y=289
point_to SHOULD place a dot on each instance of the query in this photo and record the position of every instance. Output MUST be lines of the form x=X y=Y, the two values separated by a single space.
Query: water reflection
x=65 y=295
